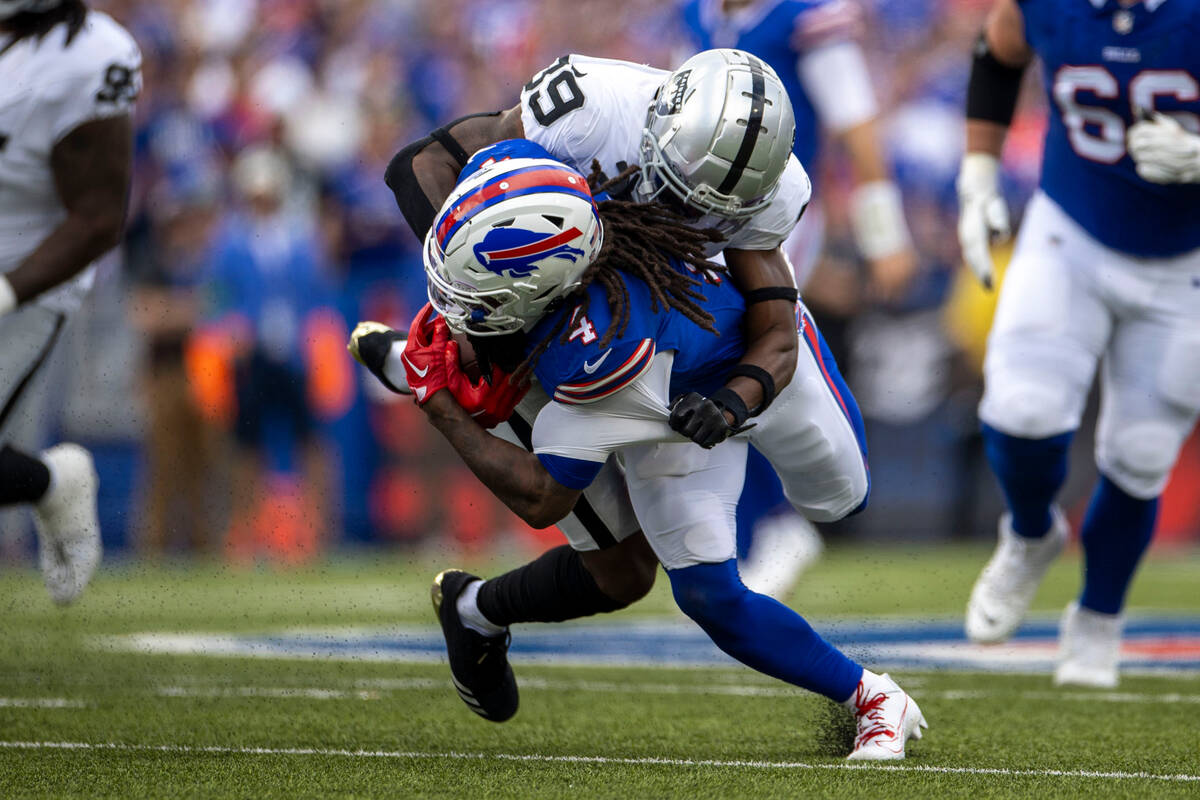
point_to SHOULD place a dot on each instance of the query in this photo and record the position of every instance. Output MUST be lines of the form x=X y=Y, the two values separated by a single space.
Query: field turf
x=78 y=719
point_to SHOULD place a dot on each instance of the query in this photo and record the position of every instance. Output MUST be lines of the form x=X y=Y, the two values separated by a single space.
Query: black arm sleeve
x=993 y=88
x=414 y=205
x=418 y=211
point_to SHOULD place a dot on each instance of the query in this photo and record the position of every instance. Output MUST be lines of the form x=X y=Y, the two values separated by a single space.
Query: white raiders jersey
x=47 y=90
x=581 y=108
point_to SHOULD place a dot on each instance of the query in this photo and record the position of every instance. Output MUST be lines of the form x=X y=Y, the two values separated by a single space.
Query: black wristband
x=765 y=380
x=788 y=293
x=993 y=86
x=728 y=400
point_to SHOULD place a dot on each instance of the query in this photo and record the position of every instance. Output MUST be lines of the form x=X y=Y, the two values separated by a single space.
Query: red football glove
x=424 y=355
x=488 y=404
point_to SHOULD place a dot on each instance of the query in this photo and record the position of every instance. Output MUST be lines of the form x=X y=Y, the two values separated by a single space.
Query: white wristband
x=8 y=298
x=877 y=216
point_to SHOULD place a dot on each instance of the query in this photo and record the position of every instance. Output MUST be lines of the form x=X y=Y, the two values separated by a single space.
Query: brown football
x=466 y=358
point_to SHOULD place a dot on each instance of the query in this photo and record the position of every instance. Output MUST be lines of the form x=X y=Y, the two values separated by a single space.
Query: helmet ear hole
x=554 y=220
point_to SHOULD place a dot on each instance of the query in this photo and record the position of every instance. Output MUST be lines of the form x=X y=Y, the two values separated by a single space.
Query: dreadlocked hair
x=37 y=24
x=640 y=239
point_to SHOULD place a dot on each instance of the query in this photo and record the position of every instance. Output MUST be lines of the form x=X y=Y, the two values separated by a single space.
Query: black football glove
x=370 y=344
x=702 y=419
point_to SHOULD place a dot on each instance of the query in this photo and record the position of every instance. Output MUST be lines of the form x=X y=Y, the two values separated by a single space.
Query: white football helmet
x=10 y=8
x=718 y=135
x=510 y=240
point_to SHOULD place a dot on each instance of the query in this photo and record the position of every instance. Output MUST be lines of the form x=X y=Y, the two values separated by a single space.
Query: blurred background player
x=68 y=81
x=812 y=45
x=1107 y=265
x=267 y=283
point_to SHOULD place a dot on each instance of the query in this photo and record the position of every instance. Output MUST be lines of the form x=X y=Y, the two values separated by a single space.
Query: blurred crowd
x=261 y=231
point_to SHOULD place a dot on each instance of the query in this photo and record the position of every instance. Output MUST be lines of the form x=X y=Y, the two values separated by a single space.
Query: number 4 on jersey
x=585 y=331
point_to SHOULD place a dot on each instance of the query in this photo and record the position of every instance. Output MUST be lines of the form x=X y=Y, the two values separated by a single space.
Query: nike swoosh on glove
x=1163 y=151
x=489 y=402
x=424 y=355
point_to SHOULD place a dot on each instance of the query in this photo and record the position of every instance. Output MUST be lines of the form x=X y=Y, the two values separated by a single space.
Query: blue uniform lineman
x=1106 y=269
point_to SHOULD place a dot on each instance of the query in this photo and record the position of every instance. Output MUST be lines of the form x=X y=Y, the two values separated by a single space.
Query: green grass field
x=81 y=720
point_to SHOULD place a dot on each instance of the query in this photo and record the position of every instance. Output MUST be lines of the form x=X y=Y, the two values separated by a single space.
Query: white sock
x=471 y=616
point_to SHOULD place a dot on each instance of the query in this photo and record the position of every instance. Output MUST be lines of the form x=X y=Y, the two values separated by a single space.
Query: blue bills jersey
x=1102 y=64
x=779 y=33
x=579 y=371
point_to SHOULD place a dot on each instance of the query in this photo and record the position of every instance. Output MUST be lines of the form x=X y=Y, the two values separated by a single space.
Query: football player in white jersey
x=68 y=80
x=711 y=139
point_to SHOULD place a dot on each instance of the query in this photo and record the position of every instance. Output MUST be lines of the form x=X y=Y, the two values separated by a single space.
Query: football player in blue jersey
x=1106 y=267
x=622 y=323
x=812 y=46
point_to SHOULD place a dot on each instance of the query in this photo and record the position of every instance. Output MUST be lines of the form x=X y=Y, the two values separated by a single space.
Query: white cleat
x=1089 y=648
x=1005 y=589
x=887 y=718
x=67 y=526
x=785 y=545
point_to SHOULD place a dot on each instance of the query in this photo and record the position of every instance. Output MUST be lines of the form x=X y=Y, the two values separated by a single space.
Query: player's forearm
x=513 y=474
x=423 y=174
x=862 y=145
x=984 y=136
x=67 y=251
x=769 y=327
x=998 y=65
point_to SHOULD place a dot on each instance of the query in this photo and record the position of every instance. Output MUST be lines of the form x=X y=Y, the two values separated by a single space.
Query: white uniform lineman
x=582 y=109
x=47 y=90
x=80 y=68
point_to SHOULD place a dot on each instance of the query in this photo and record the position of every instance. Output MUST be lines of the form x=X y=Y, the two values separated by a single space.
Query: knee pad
x=707 y=592
x=1138 y=458
x=1024 y=408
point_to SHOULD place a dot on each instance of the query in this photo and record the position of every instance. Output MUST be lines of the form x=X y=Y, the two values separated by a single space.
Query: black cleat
x=478 y=664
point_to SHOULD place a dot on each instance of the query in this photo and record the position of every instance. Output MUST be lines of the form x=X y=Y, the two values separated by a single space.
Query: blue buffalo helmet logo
x=515 y=251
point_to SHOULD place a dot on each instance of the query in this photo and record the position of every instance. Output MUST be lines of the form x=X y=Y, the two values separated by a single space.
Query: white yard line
x=40 y=702
x=285 y=692
x=539 y=758
x=370 y=690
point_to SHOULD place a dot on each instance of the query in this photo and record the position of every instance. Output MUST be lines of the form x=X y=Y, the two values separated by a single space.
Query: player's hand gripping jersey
x=1102 y=68
x=582 y=108
x=47 y=90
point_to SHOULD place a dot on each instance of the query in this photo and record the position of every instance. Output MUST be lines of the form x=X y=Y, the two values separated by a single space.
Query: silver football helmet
x=10 y=8
x=718 y=135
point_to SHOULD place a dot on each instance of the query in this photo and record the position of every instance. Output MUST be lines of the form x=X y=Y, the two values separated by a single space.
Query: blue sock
x=1116 y=532
x=760 y=632
x=1030 y=471
x=762 y=497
